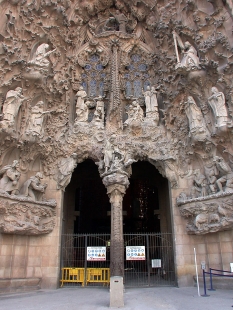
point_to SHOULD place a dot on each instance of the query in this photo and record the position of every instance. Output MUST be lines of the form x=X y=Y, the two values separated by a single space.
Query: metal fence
x=156 y=270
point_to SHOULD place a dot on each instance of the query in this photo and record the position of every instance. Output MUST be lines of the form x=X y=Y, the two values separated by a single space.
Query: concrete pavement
x=90 y=298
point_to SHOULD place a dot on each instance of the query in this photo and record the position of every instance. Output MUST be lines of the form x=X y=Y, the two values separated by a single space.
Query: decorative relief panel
x=75 y=75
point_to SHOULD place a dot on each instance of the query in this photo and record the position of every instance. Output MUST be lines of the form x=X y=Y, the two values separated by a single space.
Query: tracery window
x=93 y=77
x=136 y=77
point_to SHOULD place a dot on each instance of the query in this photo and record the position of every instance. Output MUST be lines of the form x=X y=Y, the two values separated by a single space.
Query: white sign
x=135 y=253
x=231 y=266
x=96 y=253
x=156 y=263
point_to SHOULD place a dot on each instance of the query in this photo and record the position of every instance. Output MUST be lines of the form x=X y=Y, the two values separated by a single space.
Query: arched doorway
x=146 y=222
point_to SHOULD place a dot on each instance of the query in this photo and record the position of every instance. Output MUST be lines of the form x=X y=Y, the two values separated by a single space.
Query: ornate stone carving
x=22 y=217
x=9 y=178
x=190 y=60
x=33 y=188
x=152 y=113
x=81 y=106
x=197 y=127
x=217 y=103
x=135 y=115
x=210 y=214
x=11 y=106
x=35 y=125
x=65 y=169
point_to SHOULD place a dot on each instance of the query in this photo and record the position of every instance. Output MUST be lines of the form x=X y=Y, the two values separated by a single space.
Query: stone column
x=116 y=193
x=116 y=184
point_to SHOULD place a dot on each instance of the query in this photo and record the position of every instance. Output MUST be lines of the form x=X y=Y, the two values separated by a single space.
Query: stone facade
x=115 y=82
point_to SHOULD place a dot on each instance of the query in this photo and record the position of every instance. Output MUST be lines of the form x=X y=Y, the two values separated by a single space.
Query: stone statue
x=98 y=118
x=197 y=127
x=81 y=107
x=108 y=155
x=121 y=20
x=40 y=59
x=227 y=175
x=199 y=185
x=151 y=103
x=33 y=188
x=135 y=114
x=9 y=178
x=65 y=168
x=217 y=103
x=14 y=100
x=36 y=120
x=211 y=173
x=190 y=59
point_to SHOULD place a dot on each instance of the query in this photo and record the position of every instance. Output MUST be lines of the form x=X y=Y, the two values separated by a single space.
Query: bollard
x=211 y=281
x=116 y=292
x=205 y=295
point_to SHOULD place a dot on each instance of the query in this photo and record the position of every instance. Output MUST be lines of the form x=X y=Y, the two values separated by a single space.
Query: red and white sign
x=135 y=253
x=96 y=253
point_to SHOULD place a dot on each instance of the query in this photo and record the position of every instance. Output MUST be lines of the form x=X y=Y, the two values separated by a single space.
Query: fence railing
x=211 y=278
x=157 y=269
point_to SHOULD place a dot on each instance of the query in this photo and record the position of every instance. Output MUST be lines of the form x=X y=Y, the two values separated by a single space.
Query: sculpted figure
x=217 y=103
x=81 y=107
x=40 y=59
x=197 y=125
x=9 y=178
x=37 y=118
x=211 y=173
x=135 y=113
x=121 y=19
x=14 y=99
x=151 y=104
x=227 y=175
x=65 y=168
x=98 y=118
x=108 y=155
x=33 y=187
x=190 y=59
x=199 y=185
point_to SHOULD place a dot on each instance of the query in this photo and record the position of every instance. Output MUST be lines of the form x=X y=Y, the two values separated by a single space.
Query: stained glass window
x=93 y=77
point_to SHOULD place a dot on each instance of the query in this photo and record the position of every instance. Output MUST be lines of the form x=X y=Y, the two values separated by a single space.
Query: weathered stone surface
x=24 y=216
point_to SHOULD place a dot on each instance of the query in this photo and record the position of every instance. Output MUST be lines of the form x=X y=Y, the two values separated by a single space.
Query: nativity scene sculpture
x=23 y=208
x=97 y=93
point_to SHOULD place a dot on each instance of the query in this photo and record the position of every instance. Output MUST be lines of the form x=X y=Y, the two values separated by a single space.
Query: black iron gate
x=157 y=269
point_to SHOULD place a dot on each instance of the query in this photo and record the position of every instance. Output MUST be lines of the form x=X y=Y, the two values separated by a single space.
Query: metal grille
x=156 y=270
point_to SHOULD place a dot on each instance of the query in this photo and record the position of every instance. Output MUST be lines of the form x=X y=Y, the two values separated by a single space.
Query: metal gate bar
x=156 y=270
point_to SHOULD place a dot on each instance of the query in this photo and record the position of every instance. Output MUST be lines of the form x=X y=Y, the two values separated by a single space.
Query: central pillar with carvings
x=116 y=184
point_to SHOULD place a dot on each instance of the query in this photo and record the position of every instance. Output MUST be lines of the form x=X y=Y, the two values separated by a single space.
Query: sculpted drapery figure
x=81 y=107
x=40 y=59
x=190 y=59
x=108 y=155
x=98 y=118
x=197 y=127
x=14 y=100
x=36 y=120
x=9 y=178
x=33 y=187
x=151 y=103
x=121 y=19
x=135 y=114
x=65 y=169
x=217 y=103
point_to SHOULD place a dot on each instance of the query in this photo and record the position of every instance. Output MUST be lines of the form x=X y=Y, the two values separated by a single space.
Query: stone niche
x=207 y=214
x=26 y=217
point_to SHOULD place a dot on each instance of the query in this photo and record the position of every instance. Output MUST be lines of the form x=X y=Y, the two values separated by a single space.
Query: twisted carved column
x=116 y=185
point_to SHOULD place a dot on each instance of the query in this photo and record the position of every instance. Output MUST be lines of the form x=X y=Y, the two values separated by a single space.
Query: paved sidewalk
x=162 y=298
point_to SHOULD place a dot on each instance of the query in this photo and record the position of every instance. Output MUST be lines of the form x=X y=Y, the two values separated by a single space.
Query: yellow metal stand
x=72 y=275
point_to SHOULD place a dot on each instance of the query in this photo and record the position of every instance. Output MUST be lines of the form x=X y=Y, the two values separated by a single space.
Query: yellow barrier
x=99 y=275
x=72 y=275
